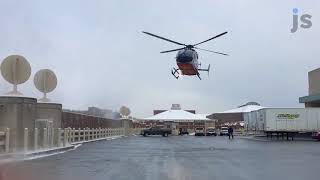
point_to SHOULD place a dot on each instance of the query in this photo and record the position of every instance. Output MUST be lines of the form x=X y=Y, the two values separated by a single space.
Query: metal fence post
x=7 y=141
x=25 y=139
x=35 y=145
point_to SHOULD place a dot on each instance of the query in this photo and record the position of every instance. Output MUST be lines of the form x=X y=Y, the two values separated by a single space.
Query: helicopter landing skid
x=175 y=73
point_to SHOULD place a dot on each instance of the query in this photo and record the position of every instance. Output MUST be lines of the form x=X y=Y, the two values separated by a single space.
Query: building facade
x=178 y=120
x=313 y=99
x=234 y=117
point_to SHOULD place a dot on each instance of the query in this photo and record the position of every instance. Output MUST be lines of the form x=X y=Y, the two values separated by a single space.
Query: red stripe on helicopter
x=187 y=69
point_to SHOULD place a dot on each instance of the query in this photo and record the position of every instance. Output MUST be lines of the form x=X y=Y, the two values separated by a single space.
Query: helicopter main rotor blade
x=211 y=51
x=172 y=50
x=163 y=38
x=211 y=38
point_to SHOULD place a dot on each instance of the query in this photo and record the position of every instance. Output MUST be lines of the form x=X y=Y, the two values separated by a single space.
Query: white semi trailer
x=283 y=120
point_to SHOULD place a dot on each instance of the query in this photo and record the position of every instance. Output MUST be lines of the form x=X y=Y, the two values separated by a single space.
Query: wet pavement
x=175 y=158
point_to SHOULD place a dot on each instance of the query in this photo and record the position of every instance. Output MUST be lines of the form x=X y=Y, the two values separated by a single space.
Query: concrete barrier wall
x=17 y=113
x=77 y=120
x=51 y=112
x=31 y=126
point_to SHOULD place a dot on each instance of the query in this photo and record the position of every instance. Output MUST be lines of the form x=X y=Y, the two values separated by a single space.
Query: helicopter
x=187 y=57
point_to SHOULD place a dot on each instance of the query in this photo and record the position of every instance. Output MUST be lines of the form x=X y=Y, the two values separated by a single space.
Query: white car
x=199 y=131
x=224 y=131
x=211 y=131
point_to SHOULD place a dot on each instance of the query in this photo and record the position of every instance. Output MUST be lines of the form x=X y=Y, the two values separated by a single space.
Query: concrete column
x=89 y=134
x=17 y=113
x=25 y=139
x=73 y=134
x=126 y=127
x=79 y=134
x=52 y=138
x=45 y=138
x=65 y=137
x=59 y=137
x=50 y=111
x=36 y=133
x=7 y=141
x=84 y=134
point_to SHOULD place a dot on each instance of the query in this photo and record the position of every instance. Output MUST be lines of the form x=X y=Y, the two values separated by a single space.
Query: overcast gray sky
x=102 y=59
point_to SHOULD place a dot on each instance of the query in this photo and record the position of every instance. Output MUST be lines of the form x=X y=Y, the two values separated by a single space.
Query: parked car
x=199 y=131
x=156 y=131
x=224 y=131
x=211 y=131
x=316 y=136
x=183 y=131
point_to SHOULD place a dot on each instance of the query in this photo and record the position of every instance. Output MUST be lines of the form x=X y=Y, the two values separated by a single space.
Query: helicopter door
x=195 y=60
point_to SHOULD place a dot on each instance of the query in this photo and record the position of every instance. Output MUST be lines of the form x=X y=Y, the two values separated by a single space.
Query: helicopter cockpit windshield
x=185 y=55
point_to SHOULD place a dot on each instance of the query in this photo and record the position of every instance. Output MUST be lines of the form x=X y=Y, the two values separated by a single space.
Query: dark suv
x=156 y=131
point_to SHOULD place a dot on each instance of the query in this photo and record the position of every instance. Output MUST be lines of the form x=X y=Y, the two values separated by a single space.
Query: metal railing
x=42 y=139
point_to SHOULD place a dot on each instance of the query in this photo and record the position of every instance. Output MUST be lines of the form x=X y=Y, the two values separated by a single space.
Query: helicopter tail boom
x=208 y=69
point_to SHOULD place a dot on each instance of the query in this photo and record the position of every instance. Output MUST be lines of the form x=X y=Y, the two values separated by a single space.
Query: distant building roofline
x=310 y=98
